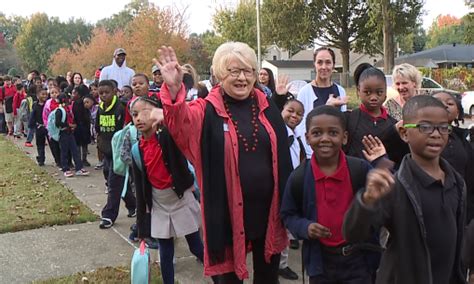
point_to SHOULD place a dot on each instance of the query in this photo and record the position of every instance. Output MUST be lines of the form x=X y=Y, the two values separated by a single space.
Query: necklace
x=245 y=141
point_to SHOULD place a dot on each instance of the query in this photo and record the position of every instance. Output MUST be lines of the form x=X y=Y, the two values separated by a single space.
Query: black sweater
x=177 y=166
x=36 y=116
x=109 y=120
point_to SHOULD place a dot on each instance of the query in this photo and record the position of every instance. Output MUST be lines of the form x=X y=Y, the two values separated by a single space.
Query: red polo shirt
x=156 y=170
x=383 y=113
x=333 y=198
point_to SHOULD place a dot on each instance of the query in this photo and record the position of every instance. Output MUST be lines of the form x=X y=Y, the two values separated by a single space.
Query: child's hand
x=374 y=148
x=336 y=101
x=379 y=183
x=282 y=85
x=317 y=231
x=157 y=116
x=72 y=125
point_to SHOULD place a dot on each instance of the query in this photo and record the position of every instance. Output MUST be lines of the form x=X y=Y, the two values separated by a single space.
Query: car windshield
x=427 y=83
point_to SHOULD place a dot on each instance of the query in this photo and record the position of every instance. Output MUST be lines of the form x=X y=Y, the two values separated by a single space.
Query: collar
x=383 y=113
x=340 y=174
x=114 y=101
x=216 y=99
x=426 y=180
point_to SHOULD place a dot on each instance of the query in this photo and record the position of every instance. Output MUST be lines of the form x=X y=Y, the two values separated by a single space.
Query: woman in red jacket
x=237 y=142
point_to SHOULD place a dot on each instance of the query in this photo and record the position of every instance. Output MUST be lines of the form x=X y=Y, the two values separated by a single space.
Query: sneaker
x=152 y=243
x=294 y=244
x=99 y=166
x=105 y=223
x=132 y=213
x=134 y=233
x=287 y=273
x=40 y=164
x=82 y=172
x=68 y=174
x=28 y=144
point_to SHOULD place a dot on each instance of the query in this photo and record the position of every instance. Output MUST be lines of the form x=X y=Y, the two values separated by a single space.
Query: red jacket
x=7 y=92
x=19 y=96
x=185 y=123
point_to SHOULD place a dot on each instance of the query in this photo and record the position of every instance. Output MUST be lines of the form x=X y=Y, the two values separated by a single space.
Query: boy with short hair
x=422 y=207
x=36 y=122
x=316 y=197
x=110 y=119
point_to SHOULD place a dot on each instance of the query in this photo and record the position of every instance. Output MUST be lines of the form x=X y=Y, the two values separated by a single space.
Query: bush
x=457 y=78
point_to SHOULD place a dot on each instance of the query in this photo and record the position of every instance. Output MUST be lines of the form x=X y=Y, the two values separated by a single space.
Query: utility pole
x=259 y=52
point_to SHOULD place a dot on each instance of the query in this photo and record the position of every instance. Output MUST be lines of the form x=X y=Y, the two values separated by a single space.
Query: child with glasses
x=422 y=206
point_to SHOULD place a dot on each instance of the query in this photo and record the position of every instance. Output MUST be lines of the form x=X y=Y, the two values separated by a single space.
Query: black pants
x=115 y=185
x=263 y=273
x=41 y=134
x=55 y=151
x=67 y=144
x=339 y=269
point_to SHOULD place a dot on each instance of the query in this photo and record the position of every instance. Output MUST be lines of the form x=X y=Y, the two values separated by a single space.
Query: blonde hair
x=409 y=72
x=229 y=51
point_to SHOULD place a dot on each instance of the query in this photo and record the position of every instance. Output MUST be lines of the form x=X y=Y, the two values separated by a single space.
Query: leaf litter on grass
x=31 y=198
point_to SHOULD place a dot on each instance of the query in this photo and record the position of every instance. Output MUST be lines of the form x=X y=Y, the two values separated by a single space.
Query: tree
x=239 y=24
x=340 y=24
x=388 y=20
x=120 y=20
x=445 y=29
x=199 y=56
x=287 y=24
x=10 y=26
x=468 y=21
x=414 y=41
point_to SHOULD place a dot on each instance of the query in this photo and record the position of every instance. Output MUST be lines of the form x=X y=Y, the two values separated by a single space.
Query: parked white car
x=467 y=102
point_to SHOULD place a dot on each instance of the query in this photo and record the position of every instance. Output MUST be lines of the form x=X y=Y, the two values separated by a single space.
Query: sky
x=199 y=13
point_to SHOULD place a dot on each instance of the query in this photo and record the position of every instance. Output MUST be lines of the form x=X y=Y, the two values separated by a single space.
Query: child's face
x=8 y=83
x=127 y=93
x=95 y=92
x=450 y=104
x=141 y=116
x=42 y=96
x=39 y=83
x=326 y=136
x=372 y=93
x=50 y=85
x=106 y=94
x=88 y=103
x=140 y=86
x=426 y=146
x=75 y=95
x=292 y=114
x=54 y=93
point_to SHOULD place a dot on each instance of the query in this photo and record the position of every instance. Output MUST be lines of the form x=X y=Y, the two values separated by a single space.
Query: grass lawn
x=116 y=275
x=31 y=198
x=354 y=101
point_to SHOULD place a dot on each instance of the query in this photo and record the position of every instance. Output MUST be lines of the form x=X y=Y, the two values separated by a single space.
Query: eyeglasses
x=426 y=128
x=235 y=72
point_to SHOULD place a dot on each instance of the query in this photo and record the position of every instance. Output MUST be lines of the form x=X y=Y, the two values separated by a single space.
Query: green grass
x=31 y=198
x=116 y=275
x=354 y=101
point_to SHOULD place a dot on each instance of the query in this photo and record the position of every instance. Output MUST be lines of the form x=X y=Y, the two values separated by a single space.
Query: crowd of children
x=343 y=191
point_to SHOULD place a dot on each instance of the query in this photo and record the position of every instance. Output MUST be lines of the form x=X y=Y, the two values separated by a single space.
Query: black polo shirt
x=439 y=203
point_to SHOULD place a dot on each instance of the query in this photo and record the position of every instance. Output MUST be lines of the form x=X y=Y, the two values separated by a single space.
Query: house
x=443 y=56
x=301 y=67
x=273 y=52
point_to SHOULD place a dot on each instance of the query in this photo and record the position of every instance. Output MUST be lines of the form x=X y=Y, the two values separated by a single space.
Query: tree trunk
x=388 y=39
x=345 y=66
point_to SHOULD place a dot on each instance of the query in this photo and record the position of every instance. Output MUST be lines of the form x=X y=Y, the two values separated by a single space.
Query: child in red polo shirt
x=166 y=207
x=371 y=118
x=318 y=194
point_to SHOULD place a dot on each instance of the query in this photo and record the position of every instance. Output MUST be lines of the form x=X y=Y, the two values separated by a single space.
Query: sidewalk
x=64 y=250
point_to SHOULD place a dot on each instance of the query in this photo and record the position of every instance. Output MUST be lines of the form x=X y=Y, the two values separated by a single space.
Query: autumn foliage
x=150 y=29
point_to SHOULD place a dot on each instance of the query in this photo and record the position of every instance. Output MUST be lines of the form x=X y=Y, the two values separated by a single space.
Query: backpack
x=122 y=142
x=24 y=110
x=53 y=130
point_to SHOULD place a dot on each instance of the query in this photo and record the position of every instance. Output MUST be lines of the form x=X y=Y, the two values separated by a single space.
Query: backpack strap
x=357 y=172
x=137 y=157
x=297 y=184
x=63 y=114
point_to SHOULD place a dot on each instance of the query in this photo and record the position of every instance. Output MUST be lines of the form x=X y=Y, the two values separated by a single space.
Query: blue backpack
x=53 y=130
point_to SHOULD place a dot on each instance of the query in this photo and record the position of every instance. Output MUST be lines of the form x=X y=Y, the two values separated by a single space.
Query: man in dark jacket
x=110 y=118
